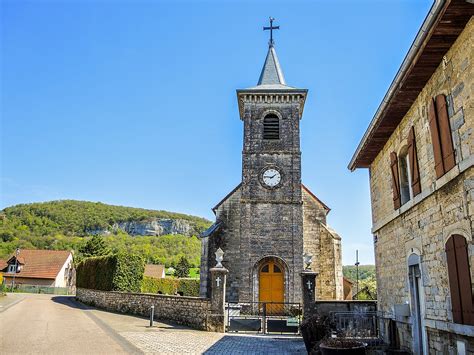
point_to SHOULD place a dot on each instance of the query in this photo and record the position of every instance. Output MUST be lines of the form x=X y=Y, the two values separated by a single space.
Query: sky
x=133 y=103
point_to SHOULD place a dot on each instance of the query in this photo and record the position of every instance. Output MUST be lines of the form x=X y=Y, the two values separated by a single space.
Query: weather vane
x=271 y=28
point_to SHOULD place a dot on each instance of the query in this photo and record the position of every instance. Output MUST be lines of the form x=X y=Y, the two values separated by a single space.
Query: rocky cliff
x=155 y=226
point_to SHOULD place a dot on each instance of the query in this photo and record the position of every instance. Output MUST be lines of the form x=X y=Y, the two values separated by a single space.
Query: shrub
x=163 y=286
x=119 y=272
x=169 y=286
x=182 y=268
x=189 y=287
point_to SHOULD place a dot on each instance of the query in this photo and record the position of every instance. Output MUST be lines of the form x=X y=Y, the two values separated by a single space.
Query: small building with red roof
x=51 y=268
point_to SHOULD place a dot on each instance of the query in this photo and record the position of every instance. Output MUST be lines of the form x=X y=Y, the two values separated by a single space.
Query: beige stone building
x=419 y=149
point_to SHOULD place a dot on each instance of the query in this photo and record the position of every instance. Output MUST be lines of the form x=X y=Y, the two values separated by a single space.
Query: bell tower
x=271 y=196
x=270 y=219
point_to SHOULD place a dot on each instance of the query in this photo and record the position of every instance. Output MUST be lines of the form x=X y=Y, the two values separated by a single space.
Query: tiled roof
x=40 y=264
x=155 y=271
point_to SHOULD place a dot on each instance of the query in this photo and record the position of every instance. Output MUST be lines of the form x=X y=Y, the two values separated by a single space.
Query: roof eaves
x=214 y=209
x=430 y=20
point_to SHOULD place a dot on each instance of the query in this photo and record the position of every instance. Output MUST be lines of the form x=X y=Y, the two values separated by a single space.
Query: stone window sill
x=426 y=192
x=459 y=329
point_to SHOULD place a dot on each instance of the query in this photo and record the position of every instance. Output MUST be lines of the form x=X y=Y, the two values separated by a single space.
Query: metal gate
x=264 y=317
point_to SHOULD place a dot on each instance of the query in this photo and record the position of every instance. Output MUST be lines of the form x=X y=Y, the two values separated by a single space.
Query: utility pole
x=357 y=273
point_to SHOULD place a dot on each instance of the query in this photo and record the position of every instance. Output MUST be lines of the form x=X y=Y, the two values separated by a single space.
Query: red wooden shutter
x=460 y=280
x=395 y=180
x=444 y=127
x=413 y=158
x=464 y=277
x=438 y=157
x=453 y=281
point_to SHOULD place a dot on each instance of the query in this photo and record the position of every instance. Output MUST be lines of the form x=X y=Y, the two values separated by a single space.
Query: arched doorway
x=271 y=284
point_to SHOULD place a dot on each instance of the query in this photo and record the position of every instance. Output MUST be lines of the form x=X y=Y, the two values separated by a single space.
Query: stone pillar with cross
x=308 y=281
x=218 y=285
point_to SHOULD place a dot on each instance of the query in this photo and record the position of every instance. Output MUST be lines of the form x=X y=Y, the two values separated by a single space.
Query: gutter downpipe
x=427 y=23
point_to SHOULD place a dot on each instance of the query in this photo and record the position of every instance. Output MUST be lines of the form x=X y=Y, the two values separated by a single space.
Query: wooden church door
x=271 y=287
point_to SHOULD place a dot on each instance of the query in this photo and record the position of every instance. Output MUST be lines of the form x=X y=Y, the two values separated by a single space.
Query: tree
x=95 y=246
x=182 y=267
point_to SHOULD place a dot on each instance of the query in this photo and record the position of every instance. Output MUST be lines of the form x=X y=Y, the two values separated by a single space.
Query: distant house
x=155 y=271
x=52 y=268
x=347 y=287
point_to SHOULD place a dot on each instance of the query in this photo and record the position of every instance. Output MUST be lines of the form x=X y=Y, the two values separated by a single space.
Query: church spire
x=271 y=72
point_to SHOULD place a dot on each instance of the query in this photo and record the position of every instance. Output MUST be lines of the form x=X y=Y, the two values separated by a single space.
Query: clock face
x=271 y=177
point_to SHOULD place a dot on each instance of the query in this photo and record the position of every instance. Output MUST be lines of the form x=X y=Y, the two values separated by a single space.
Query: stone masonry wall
x=444 y=207
x=325 y=246
x=190 y=311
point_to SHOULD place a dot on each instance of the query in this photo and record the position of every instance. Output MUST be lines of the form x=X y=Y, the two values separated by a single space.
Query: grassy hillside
x=65 y=225
x=365 y=272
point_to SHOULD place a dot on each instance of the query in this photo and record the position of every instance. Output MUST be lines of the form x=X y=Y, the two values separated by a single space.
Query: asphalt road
x=46 y=324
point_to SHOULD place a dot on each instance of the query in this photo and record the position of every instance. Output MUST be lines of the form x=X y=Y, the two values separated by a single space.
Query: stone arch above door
x=270 y=260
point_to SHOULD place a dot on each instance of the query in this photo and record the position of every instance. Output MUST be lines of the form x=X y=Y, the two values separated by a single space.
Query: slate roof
x=211 y=230
x=39 y=264
x=271 y=77
x=156 y=271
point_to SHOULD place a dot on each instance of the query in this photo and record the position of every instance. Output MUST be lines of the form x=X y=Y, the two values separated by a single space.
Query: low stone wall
x=194 y=312
x=324 y=308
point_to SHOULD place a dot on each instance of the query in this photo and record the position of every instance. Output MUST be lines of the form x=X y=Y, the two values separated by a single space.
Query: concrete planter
x=342 y=346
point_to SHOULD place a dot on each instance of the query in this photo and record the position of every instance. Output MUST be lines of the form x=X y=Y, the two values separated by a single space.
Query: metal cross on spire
x=271 y=28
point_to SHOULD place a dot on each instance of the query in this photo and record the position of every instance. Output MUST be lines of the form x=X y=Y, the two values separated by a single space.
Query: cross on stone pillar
x=218 y=288
x=308 y=282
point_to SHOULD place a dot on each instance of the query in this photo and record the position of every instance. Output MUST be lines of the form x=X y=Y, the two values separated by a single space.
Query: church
x=270 y=220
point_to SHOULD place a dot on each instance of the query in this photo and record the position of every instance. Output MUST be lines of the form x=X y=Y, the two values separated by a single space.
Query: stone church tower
x=266 y=224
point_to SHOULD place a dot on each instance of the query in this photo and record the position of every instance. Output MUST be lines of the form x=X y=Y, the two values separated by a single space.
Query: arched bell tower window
x=271 y=127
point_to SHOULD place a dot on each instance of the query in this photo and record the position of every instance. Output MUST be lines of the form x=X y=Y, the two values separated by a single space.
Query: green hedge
x=189 y=287
x=119 y=272
x=165 y=286
x=169 y=286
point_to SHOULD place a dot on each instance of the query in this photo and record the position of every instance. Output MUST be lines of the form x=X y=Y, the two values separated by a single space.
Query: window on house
x=457 y=257
x=405 y=176
x=11 y=268
x=271 y=127
x=441 y=138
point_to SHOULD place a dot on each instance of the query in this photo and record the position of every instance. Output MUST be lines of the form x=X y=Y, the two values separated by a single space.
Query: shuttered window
x=395 y=180
x=460 y=280
x=441 y=138
x=413 y=161
x=271 y=127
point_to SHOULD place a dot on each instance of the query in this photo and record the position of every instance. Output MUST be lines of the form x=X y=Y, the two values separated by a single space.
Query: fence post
x=264 y=318
x=308 y=283
x=152 y=315
x=218 y=288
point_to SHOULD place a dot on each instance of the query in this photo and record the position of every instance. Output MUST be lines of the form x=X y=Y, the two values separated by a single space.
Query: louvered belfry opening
x=271 y=127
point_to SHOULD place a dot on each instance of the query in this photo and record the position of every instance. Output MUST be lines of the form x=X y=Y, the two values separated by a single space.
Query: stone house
x=266 y=224
x=50 y=268
x=419 y=150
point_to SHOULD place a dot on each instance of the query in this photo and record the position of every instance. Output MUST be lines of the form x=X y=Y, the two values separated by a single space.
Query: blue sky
x=133 y=102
